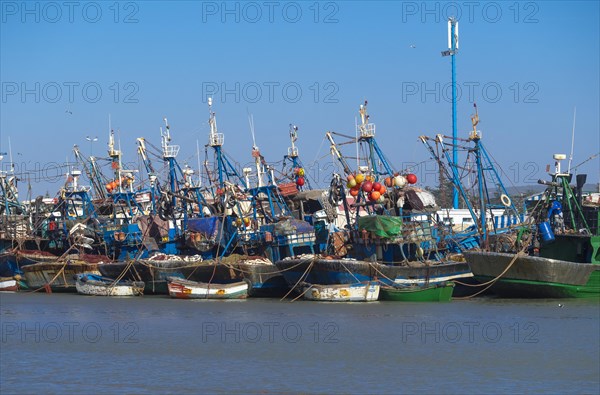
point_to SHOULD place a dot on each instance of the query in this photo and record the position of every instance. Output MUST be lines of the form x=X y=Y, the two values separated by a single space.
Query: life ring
x=505 y=200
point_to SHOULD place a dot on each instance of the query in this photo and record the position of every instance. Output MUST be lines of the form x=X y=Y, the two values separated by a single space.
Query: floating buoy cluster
x=111 y=186
x=375 y=190
x=299 y=173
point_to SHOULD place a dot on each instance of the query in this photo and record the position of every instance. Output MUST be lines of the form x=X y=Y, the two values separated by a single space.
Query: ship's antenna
x=10 y=156
x=251 y=122
x=572 y=140
x=356 y=144
x=199 y=167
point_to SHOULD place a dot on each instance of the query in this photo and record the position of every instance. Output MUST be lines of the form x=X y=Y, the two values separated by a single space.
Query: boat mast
x=572 y=141
x=293 y=150
x=336 y=152
x=169 y=153
x=216 y=140
x=366 y=133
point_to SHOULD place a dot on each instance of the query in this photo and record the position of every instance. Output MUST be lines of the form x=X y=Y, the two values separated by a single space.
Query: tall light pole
x=92 y=140
x=452 y=50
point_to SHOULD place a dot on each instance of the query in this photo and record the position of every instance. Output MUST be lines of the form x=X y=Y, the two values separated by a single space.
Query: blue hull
x=329 y=272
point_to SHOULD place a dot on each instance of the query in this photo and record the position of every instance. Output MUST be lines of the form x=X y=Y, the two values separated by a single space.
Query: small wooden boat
x=57 y=276
x=93 y=284
x=8 y=284
x=186 y=289
x=441 y=292
x=359 y=292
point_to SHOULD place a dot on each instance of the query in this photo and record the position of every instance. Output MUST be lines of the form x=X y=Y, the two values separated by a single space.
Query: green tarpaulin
x=381 y=225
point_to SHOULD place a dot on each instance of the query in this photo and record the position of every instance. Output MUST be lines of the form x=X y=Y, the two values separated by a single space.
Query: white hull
x=185 y=289
x=342 y=293
x=89 y=288
x=8 y=286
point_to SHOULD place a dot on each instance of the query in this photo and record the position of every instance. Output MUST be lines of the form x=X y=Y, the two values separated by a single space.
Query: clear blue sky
x=543 y=56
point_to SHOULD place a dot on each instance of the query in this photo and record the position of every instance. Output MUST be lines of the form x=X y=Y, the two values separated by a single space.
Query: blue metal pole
x=454 y=127
x=482 y=208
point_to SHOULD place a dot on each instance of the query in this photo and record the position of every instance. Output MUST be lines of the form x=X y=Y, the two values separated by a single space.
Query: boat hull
x=265 y=279
x=56 y=276
x=89 y=284
x=535 y=277
x=154 y=274
x=13 y=261
x=340 y=271
x=185 y=289
x=8 y=285
x=427 y=293
x=341 y=292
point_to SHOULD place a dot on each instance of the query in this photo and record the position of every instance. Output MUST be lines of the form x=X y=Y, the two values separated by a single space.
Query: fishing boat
x=418 y=293
x=391 y=231
x=327 y=270
x=264 y=277
x=358 y=292
x=8 y=284
x=12 y=261
x=92 y=284
x=59 y=275
x=153 y=271
x=533 y=276
x=553 y=253
x=186 y=289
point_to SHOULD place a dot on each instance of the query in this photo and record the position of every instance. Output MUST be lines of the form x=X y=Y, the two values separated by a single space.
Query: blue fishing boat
x=391 y=233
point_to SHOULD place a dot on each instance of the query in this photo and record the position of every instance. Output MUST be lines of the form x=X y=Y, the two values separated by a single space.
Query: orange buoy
x=374 y=196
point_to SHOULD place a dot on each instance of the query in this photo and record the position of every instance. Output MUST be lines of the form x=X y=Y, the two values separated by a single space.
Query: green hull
x=537 y=289
x=430 y=293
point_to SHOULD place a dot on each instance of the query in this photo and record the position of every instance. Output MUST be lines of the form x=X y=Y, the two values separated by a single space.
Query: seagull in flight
x=69 y=112
x=413 y=46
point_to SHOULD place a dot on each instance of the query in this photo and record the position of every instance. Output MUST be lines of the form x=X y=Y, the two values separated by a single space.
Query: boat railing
x=171 y=151
x=367 y=130
x=295 y=239
x=216 y=139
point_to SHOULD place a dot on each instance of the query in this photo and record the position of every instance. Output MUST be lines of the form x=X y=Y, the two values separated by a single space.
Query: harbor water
x=67 y=343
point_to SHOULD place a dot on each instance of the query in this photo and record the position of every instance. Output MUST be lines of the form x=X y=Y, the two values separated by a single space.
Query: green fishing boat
x=562 y=259
x=441 y=292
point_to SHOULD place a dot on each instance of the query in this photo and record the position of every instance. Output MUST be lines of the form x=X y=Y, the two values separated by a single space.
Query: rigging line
x=503 y=173
x=311 y=164
x=353 y=138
